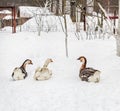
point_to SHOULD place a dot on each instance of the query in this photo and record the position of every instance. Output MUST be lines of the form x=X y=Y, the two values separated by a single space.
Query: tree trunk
x=63 y=6
x=57 y=7
x=66 y=35
x=51 y=5
x=118 y=36
x=73 y=10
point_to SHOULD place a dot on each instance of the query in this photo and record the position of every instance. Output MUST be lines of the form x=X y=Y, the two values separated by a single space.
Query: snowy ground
x=64 y=91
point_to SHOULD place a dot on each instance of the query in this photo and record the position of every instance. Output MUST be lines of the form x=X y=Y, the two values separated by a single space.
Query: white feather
x=18 y=75
x=95 y=77
x=42 y=74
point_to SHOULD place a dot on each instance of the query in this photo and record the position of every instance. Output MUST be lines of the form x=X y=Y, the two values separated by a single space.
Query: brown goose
x=20 y=73
x=43 y=73
x=88 y=74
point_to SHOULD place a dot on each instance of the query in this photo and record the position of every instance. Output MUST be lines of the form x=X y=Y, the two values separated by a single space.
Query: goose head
x=49 y=60
x=26 y=62
x=82 y=59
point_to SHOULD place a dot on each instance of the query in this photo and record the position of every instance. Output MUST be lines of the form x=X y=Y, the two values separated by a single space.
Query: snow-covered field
x=64 y=91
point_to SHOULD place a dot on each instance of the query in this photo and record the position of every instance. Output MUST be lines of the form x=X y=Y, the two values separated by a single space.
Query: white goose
x=87 y=73
x=19 y=73
x=43 y=73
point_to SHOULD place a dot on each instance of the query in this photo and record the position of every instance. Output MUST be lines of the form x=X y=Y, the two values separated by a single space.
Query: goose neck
x=24 y=65
x=46 y=64
x=83 y=65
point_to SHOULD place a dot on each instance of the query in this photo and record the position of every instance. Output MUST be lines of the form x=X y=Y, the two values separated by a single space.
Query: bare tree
x=112 y=25
x=40 y=12
x=66 y=35
x=64 y=27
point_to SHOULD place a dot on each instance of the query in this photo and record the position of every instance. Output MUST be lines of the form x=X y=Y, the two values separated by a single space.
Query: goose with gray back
x=19 y=73
x=87 y=73
x=43 y=73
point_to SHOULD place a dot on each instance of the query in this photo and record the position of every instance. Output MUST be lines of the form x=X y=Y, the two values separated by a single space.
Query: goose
x=19 y=73
x=88 y=74
x=43 y=73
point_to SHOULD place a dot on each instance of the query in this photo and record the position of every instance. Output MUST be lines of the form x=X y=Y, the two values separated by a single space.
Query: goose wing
x=88 y=71
x=38 y=69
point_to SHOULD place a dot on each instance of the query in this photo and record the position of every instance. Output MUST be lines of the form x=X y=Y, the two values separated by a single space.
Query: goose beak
x=51 y=60
x=31 y=63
